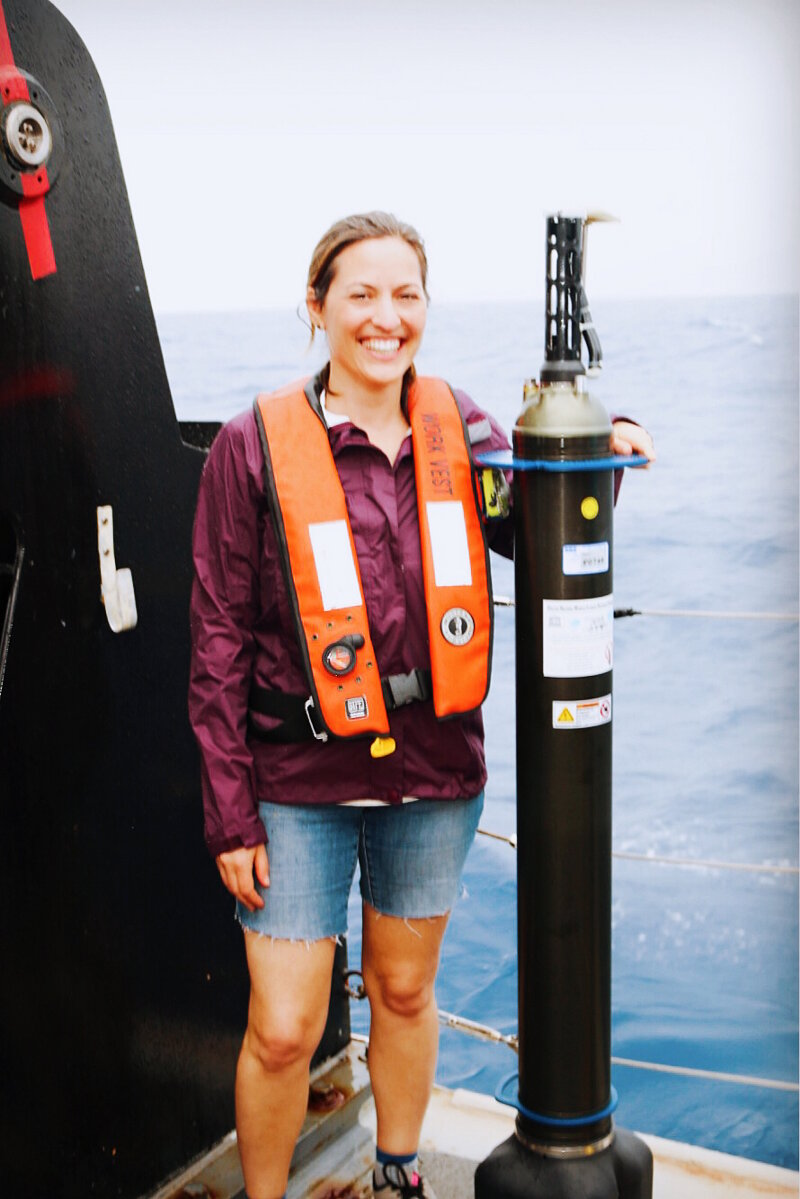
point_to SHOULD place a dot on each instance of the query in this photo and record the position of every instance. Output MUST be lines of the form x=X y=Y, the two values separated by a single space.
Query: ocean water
x=705 y=960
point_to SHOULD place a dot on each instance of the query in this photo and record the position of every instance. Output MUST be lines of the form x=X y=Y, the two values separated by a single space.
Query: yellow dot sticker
x=589 y=507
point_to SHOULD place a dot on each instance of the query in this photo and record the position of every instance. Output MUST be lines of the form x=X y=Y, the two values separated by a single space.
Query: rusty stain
x=326 y=1098
x=749 y=1186
x=348 y=1191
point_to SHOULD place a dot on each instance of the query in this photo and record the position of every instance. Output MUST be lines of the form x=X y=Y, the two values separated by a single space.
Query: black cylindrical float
x=564 y=639
x=565 y=1142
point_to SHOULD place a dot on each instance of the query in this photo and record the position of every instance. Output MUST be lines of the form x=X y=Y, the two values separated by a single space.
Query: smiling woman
x=323 y=667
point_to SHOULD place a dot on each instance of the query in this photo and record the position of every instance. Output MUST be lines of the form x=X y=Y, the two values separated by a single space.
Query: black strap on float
x=299 y=717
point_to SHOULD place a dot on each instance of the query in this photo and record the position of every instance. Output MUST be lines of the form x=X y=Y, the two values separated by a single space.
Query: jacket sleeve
x=224 y=611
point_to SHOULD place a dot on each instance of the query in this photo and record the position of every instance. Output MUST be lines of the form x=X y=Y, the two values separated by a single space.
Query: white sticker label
x=336 y=569
x=577 y=637
x=581 y=713
x=448 y=533
x=591 y=559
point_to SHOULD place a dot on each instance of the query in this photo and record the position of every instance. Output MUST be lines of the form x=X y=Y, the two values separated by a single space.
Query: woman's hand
x=628 y=438
x=236 y=871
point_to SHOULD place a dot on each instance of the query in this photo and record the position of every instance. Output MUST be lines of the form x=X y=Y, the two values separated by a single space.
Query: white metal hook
x=116 y=586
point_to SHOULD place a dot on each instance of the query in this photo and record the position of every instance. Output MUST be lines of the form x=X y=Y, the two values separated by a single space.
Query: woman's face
x=374 y=312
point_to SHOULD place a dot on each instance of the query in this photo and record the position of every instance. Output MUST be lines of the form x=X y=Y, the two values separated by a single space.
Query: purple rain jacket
x=243 y=631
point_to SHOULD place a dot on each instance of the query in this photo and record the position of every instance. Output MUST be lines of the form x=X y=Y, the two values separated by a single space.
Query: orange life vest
x=316 y=542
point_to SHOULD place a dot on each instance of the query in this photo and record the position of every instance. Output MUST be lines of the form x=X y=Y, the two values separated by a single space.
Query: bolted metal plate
x=26 y=135
x=31 y=138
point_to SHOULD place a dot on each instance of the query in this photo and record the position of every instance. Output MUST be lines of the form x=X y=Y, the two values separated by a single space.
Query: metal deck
x=333 y=1159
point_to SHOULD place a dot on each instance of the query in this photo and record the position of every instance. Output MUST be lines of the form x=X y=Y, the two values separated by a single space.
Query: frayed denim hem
x=428 y=919
x=337 y=938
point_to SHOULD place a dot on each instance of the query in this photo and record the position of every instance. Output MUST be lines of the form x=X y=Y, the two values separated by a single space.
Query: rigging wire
x=706 y=613
x=507 y=601
x=744 y=1080
x=484 y=1032
x=706 y=863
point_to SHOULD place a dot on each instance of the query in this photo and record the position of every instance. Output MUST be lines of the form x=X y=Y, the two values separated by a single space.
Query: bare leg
x=399 y=963
x=290 y=984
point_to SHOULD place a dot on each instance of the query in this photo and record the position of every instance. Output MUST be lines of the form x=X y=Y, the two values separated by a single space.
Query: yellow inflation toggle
x=382 y=746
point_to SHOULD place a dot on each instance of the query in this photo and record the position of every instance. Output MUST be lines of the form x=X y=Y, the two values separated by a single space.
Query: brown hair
x=361 y=226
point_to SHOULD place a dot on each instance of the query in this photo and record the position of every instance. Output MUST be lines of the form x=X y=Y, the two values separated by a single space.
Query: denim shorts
x=410 y=856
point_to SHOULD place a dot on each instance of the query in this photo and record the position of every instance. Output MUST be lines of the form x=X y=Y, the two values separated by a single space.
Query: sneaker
x=399 y=1184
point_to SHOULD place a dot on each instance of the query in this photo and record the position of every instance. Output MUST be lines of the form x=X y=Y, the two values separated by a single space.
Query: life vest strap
x=293 y=711
x=298 y=718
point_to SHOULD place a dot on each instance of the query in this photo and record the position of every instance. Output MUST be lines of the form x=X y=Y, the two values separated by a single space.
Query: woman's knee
x=290 y=986
x=280 y=1043
x=403 y=993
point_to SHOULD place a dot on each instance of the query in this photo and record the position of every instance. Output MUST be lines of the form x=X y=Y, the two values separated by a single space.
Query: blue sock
x=385 y=1161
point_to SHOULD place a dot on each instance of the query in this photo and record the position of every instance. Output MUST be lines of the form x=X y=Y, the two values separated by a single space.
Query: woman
x=318 y=686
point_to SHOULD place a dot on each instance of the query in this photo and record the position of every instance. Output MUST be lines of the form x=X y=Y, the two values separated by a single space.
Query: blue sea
x=705 y=959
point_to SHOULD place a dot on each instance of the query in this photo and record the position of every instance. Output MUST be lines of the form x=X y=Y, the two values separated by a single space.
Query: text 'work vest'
x=319 y=558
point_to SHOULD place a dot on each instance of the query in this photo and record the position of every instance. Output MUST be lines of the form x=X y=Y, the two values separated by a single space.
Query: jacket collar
x=319 y=383
x=342 y=433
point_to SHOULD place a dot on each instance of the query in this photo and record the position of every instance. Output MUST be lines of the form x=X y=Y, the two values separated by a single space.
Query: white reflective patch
x=448 y=532
x=336 y=569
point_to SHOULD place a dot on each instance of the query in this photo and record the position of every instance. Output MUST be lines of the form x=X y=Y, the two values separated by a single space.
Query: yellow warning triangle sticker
x=566 y=717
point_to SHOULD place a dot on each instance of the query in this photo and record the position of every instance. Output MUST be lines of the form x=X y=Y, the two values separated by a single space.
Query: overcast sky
x=245 y=128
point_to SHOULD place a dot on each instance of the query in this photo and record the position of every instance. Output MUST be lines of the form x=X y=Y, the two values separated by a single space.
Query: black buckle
x=402 y=689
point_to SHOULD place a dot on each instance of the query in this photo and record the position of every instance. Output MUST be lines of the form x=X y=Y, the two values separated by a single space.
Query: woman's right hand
x=236 y=869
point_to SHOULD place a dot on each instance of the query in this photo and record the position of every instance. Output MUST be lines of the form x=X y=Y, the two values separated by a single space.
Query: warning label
x=581 y=713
